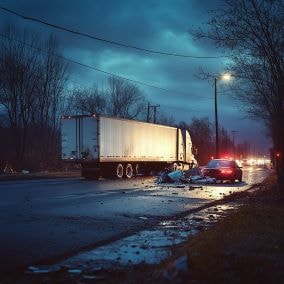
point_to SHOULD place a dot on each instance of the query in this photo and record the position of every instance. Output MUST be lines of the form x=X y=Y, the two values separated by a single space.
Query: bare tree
x=253 y=30
x=46 y=110
x=162 y=118
x=120 y=99
x=226 y=144
x=87 y=101
x=125 y=99
x=31 y=88
x=19 y=76
x=202 y=137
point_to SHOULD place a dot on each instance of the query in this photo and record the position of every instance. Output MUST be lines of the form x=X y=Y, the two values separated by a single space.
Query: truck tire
x=129 y=171
x=119 y=171
x=174 y=167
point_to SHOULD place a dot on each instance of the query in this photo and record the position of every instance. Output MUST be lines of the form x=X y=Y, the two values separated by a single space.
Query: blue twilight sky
x=150 y=24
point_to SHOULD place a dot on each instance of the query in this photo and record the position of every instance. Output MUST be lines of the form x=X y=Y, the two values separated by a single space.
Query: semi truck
x=115 y=147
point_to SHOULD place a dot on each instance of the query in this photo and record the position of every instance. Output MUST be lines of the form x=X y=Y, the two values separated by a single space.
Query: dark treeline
x=33 y=96
x=32 y=84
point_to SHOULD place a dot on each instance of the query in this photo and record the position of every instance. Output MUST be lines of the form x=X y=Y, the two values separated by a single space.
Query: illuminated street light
x=225 y=77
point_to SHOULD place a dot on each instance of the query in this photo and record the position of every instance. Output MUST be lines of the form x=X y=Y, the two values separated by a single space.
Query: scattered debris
x=193 y=172
x=143 y=218
x=176 y=176
x=94 y=277
x=42 y=269
x=164 y=178
x=8 y=169
x=75 y=271
x=192 y=176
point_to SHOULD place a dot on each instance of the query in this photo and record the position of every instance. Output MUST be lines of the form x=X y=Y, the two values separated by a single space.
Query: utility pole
x=148 y=112
x=155 y=111
x=225 y=77
x=216 y=120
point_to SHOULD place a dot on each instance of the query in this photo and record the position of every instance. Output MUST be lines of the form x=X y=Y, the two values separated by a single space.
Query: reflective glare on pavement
x=115 y=219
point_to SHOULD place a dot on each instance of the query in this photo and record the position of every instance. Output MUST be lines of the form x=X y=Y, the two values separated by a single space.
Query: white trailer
x=108 y=146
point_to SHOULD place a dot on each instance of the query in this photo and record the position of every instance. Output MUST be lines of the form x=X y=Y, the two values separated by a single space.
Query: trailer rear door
x=79 y=136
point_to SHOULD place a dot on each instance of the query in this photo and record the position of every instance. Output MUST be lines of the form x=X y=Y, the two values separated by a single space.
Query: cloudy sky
x=150 y=24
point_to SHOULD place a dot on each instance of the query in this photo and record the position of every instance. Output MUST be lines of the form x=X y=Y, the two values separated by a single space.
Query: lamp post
x=225 y=77
x=216 y=121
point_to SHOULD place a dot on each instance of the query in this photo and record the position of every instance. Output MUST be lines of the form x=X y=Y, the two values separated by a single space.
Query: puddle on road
x=148 y=246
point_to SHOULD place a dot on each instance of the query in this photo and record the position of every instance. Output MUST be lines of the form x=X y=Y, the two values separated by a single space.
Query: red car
x=222 y=169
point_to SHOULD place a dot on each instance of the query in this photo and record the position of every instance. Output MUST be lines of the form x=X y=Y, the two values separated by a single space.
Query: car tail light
x=226 y=171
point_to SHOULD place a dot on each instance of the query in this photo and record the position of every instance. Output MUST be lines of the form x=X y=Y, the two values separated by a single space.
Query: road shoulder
x=245 y=247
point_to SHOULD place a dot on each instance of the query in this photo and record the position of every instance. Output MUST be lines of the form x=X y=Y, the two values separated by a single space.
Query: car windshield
x=221 y=163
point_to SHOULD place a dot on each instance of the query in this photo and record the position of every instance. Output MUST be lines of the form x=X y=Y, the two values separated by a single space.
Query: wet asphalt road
x=42 y=220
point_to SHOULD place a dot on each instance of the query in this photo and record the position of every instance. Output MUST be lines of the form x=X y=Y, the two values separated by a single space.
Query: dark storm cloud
x=133 y=22
x=157 y=25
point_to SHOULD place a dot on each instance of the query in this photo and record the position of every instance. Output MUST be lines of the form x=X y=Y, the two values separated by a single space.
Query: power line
x=102 y=71
x=184 y=109
x=106 y=40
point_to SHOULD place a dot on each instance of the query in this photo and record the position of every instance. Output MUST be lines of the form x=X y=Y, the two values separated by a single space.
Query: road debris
x=179 y=177
x=42 y=269
x=75 y=271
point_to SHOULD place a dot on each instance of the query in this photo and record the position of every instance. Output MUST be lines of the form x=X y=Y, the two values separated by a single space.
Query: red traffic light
x=278 y=155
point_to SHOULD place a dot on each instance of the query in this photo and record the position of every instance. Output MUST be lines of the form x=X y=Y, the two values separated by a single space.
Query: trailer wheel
x=119 y=171
x=129 y=171
x=174 y=167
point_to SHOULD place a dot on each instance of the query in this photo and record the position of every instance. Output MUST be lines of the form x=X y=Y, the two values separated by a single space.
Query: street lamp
x=225 y=77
